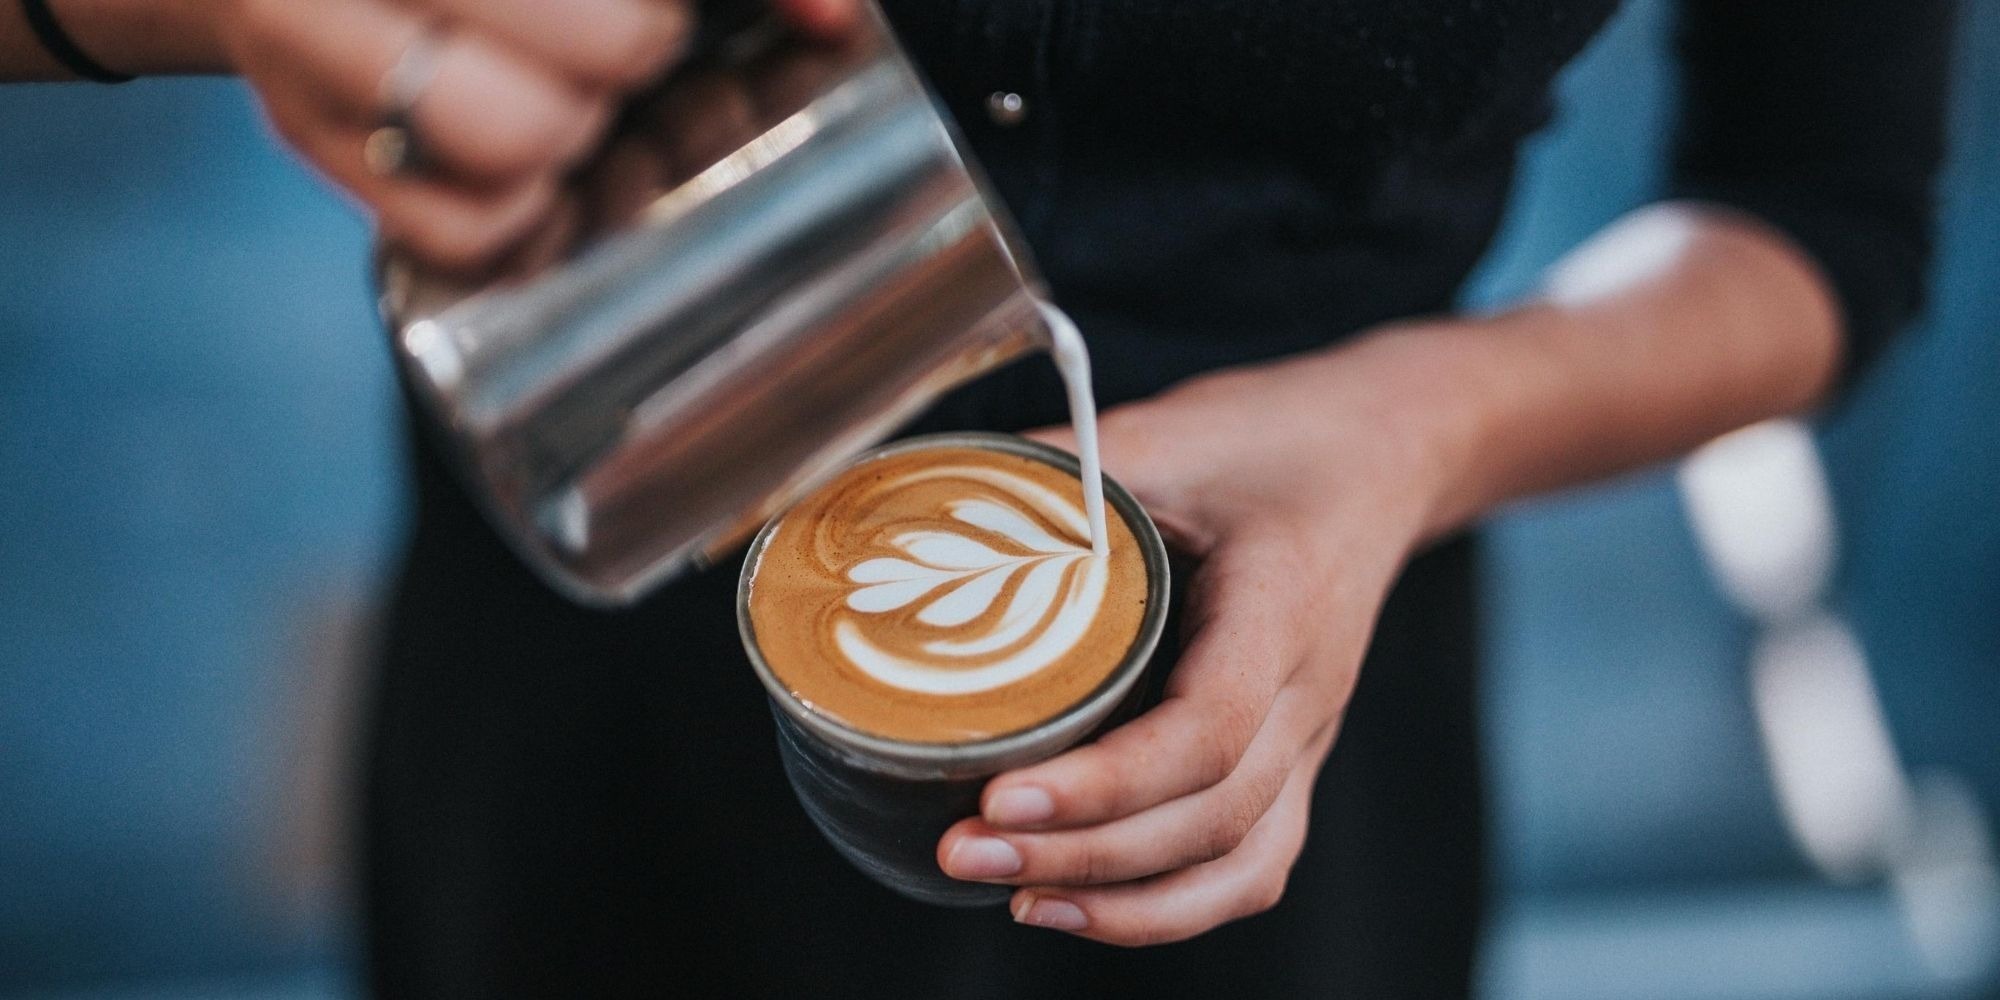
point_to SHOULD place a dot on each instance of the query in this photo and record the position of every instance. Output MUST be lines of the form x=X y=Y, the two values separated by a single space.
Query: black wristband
x=62 y=47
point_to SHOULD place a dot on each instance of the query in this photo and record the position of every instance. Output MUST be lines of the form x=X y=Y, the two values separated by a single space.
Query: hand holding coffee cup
x=1193 y=814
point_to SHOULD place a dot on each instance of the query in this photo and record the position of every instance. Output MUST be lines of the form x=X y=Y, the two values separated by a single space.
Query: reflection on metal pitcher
x=780 y=254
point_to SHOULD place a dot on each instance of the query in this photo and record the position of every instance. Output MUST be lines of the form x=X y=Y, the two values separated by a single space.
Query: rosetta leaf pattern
x=931 y=561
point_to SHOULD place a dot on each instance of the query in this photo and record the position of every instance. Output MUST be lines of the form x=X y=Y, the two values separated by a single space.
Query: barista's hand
x=522 y=90
x=1299 y=494
x=1302 y=486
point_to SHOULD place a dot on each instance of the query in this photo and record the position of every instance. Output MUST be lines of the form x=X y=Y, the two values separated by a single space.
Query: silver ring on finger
x=395 y=148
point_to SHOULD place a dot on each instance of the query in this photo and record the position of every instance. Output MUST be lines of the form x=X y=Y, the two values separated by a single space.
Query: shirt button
x=1006 y=108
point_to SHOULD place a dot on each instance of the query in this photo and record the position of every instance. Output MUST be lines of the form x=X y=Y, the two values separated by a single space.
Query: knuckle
x=1260 y=791
x=1097 y=782
x=395 y=223
x=1124 y=938
x=1266 y=894
x=272 y=29
x=260 y=15
x=1138 y=935
x=448 y=252
x=453 y=246
x=521 y=143
x=1228 y=732
x=1135 y=746
x=1094 y=865
x=1214 y=842
x=1136 y=432
x=295 y=129
x=636 y=56
x=1230 y=828
x=1159 y=932
x=569 y=135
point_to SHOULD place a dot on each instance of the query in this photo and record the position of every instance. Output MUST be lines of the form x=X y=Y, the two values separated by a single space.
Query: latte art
x=958 y=579
x=945 y=594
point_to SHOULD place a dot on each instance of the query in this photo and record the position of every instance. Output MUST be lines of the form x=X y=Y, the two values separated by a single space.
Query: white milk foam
x=1073 y=361
x=937 y=559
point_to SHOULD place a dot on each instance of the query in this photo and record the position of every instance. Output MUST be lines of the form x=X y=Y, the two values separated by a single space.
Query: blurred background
x=1744 y=714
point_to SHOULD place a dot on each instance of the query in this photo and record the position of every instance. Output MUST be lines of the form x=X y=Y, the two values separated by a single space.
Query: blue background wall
x=195 y=455
x=1640 y=847
x=198 y=488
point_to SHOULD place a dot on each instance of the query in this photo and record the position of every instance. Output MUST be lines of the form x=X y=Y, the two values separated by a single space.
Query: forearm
x=137 y=37
x=1674 y=326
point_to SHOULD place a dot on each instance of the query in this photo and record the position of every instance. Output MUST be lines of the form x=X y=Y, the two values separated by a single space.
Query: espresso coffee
x=946 y=595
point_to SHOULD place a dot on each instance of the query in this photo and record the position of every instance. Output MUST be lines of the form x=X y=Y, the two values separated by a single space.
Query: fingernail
x=982 y=857
x=1019 y=807
x=1055 y=914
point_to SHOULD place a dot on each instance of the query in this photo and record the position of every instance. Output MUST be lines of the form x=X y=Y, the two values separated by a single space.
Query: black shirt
x=564 y=802
x=1209 y=182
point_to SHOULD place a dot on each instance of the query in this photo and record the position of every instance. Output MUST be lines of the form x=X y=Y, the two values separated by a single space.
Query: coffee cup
x=935 y=615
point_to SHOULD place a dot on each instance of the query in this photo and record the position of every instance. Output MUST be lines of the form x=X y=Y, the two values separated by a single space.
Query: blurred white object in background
x=1762 y=513
x=1758 y=503
x=1632 y=251
x=1833 y=762
x=1941 y=868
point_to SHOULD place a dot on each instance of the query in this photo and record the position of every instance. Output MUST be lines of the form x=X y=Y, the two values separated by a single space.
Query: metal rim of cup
x=943 y=761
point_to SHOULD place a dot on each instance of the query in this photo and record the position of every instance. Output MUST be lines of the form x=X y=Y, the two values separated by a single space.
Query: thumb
x=1134 y=457
x=1123 y=445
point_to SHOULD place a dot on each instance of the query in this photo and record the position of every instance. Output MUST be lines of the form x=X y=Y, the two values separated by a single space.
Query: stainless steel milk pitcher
x=780 y=253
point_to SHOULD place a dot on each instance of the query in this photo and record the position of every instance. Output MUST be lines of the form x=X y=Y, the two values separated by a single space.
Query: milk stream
x=1073 y=362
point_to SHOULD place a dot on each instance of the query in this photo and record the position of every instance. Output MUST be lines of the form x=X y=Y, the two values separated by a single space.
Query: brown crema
x=945 y=595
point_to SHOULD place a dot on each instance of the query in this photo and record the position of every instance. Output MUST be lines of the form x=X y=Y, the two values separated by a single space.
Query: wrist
x=146 y=37
x=1437 y=392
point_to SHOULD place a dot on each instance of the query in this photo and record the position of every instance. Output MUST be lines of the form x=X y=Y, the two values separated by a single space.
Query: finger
x=700 y=121
x=612 y=44
x=1184 y=832
x=825 y=18
x=486 y=114
x=1180 y=905
x=548 y=240
x=445 y=225
x=1244 y=648
x=781 y=87
x=442 y=224
x=1060 y=437
x=1140 y=457
x=626 y=178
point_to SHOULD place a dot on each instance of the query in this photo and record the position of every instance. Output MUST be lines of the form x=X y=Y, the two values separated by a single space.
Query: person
x=1260 y=213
